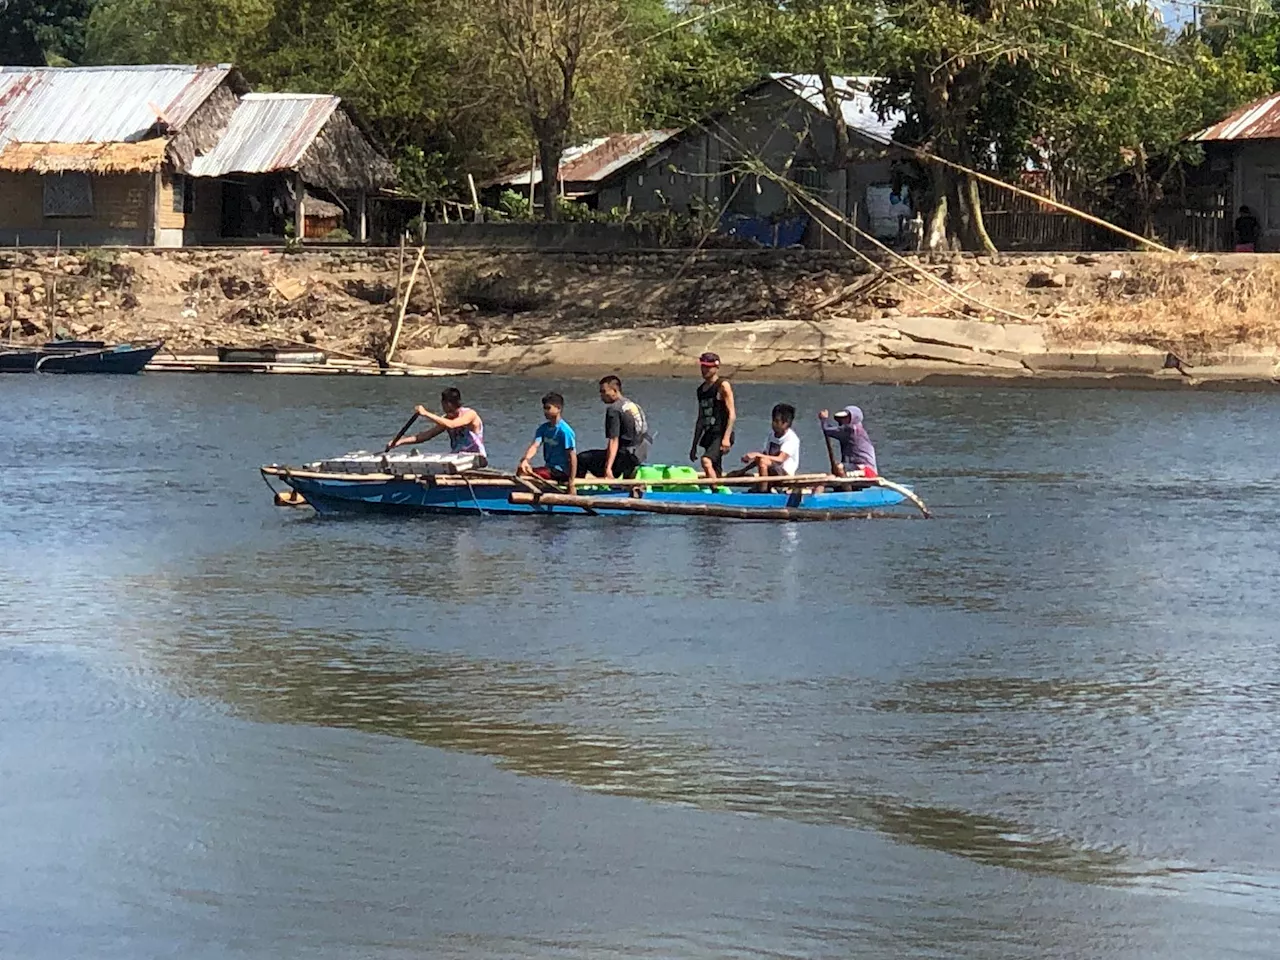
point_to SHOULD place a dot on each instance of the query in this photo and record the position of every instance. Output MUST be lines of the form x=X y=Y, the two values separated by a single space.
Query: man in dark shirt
x=626 y=436
x=1246 y=231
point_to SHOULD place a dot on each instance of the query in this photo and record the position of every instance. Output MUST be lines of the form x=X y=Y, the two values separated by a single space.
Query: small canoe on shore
x=79 y=356
x=481 y=491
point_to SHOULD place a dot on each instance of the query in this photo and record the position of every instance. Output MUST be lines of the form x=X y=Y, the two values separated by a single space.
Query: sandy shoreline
x=930 y=351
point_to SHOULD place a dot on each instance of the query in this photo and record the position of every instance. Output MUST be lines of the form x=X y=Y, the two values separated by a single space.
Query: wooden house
x=169 y=156
x=780 y=123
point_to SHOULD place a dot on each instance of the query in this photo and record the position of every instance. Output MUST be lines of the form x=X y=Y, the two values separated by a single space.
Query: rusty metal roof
x=100 y=104
x=1259 y=120
x=268 y=132
x=594 y=161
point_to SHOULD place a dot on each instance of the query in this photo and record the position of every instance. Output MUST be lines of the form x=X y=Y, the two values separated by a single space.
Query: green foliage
x=514 y=206
x=1081 y=89
x=421 y=175
x=38 y=32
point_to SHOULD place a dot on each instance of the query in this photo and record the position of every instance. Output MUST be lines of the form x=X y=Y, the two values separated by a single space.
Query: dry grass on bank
x=1191 y=307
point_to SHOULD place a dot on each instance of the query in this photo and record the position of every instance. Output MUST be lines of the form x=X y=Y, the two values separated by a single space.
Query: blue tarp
x=764 y=231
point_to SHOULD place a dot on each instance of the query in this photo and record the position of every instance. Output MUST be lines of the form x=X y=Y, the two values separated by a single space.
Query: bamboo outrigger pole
x=636 y=505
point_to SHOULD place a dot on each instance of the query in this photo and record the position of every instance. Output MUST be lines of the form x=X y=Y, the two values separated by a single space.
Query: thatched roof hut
x=311 y=134
x=186 y=138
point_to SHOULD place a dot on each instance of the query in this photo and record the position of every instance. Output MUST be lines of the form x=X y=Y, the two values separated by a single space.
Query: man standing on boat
x=626 y=435
x=713 y=426
x=464 y=426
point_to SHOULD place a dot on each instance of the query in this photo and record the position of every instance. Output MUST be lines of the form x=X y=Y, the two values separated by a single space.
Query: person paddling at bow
x=464 y=426
x=713 y=426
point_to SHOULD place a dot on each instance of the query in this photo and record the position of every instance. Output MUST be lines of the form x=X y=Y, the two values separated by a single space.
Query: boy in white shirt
x=781 y=454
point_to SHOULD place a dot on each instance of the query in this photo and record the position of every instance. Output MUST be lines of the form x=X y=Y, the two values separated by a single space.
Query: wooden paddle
x=831 y=455
x=403 y=430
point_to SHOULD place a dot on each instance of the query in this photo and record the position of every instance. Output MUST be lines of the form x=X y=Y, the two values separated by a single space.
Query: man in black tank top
x=713 y=426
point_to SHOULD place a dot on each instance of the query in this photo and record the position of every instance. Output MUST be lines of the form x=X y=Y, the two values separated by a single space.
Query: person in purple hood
x=857 y=455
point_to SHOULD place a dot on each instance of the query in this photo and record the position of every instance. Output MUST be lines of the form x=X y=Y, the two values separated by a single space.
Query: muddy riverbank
x=1181 y=321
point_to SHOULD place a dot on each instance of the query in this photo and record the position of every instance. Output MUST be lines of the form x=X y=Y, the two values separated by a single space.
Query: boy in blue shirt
x=559 y=446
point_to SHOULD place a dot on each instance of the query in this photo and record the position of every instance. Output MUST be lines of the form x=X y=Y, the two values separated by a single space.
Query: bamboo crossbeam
x=799 y=480
x=505 y=479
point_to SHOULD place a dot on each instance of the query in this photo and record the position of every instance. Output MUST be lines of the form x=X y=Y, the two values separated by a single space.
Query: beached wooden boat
x=79 y=356
x=390 y=488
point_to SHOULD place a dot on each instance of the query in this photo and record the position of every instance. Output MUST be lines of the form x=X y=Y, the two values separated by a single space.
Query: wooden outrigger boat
x=434 y=485
x=80 y=356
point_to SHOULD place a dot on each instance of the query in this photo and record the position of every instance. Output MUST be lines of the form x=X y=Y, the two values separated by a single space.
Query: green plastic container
x=679 y=473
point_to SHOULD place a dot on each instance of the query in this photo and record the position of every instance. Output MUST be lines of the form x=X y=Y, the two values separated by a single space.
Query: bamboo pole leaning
x=926 y=275
x=1019 y=191
x=404 y=304
x=51 y=303
x=13 y=289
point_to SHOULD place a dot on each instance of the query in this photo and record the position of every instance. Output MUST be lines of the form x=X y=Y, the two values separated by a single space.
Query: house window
x=67 y=195
x=183 y=199
x=809 y=177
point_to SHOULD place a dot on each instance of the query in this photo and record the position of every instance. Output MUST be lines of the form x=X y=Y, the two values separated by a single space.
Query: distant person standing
x=713 y=426
x=1247 y=228
x=626 y=435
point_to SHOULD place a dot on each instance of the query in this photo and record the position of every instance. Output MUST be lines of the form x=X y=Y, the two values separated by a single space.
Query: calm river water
x=1045 y=724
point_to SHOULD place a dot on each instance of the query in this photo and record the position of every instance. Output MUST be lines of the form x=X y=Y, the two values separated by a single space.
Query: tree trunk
x=935 y=230
x=834 y=103
x=1145 y=202
x=550 y=150
x=948 y=99
x=975 y=236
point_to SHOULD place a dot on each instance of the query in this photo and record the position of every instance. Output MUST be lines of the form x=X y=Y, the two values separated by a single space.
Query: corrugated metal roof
x=855 y=102
x=268 y=132
x=1259 y=120
x=99 y=104
x=596 y=160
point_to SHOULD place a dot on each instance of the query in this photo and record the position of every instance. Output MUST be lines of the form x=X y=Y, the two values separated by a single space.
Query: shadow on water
x=488 y=708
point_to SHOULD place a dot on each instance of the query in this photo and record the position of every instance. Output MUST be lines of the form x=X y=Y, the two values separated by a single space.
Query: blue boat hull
x=80 y=358
x=345 y=496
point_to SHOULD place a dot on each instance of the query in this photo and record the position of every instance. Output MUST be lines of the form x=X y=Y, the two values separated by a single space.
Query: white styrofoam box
x=397 y=462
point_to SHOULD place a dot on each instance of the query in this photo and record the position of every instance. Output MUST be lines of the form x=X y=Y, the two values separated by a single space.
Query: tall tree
x=406 y=66
x=550 y=55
